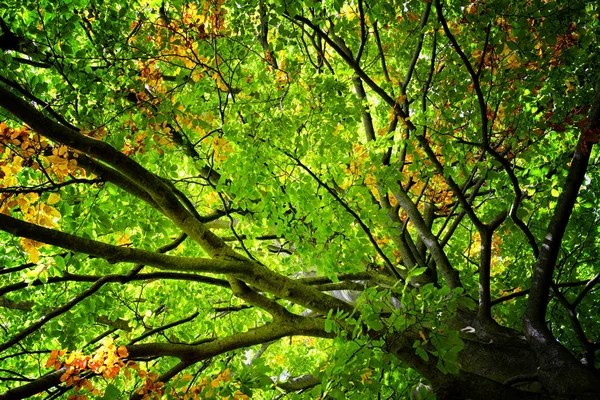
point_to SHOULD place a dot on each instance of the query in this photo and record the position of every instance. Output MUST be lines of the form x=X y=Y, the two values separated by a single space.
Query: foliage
x=321 y=199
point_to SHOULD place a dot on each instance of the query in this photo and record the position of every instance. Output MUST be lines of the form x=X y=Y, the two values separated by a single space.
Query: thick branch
x=544 y=269
x=190 y=354
x=116 y=178
x=552 y=354
x=301 y=382
x=153 y=185
x=114 y=254
x=39 y=385
x=448 y=272
x=262 y=334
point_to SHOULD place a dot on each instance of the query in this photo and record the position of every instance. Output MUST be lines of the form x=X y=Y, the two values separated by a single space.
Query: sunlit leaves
x=221 y=149
x=53 y=360
x=108 y=361
x=224 y=101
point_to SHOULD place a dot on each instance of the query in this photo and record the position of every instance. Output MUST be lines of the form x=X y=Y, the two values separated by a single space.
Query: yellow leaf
x=29 y=247
x=53 y=198
x=71 y=358
x=364 y=378
x=197 y=75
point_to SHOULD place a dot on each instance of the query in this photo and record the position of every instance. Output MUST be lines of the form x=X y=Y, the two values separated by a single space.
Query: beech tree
x=299 y=199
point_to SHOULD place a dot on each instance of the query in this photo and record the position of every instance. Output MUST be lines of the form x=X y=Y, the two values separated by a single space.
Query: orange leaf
x=50 y=361
x=122 y=351
x=133 y=365
x=65 y=376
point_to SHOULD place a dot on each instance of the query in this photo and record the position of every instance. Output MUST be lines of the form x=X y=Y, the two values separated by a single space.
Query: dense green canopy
x=299 y=199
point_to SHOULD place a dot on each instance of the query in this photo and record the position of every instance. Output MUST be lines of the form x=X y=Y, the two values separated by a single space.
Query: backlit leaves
x=255 y=123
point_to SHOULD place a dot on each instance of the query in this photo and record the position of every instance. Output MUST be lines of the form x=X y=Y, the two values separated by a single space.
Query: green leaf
x=416 y=272
x=111 y=392
x=329 y=326
x=422 y=353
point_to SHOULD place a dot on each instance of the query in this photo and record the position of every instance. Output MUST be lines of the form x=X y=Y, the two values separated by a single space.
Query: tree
x=355 y=198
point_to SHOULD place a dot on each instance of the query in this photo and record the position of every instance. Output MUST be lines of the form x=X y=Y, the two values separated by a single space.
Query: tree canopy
x=299 y=199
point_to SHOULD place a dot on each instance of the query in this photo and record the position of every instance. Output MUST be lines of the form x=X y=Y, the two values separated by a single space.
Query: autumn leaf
x=122 y=351
x=53 y=198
